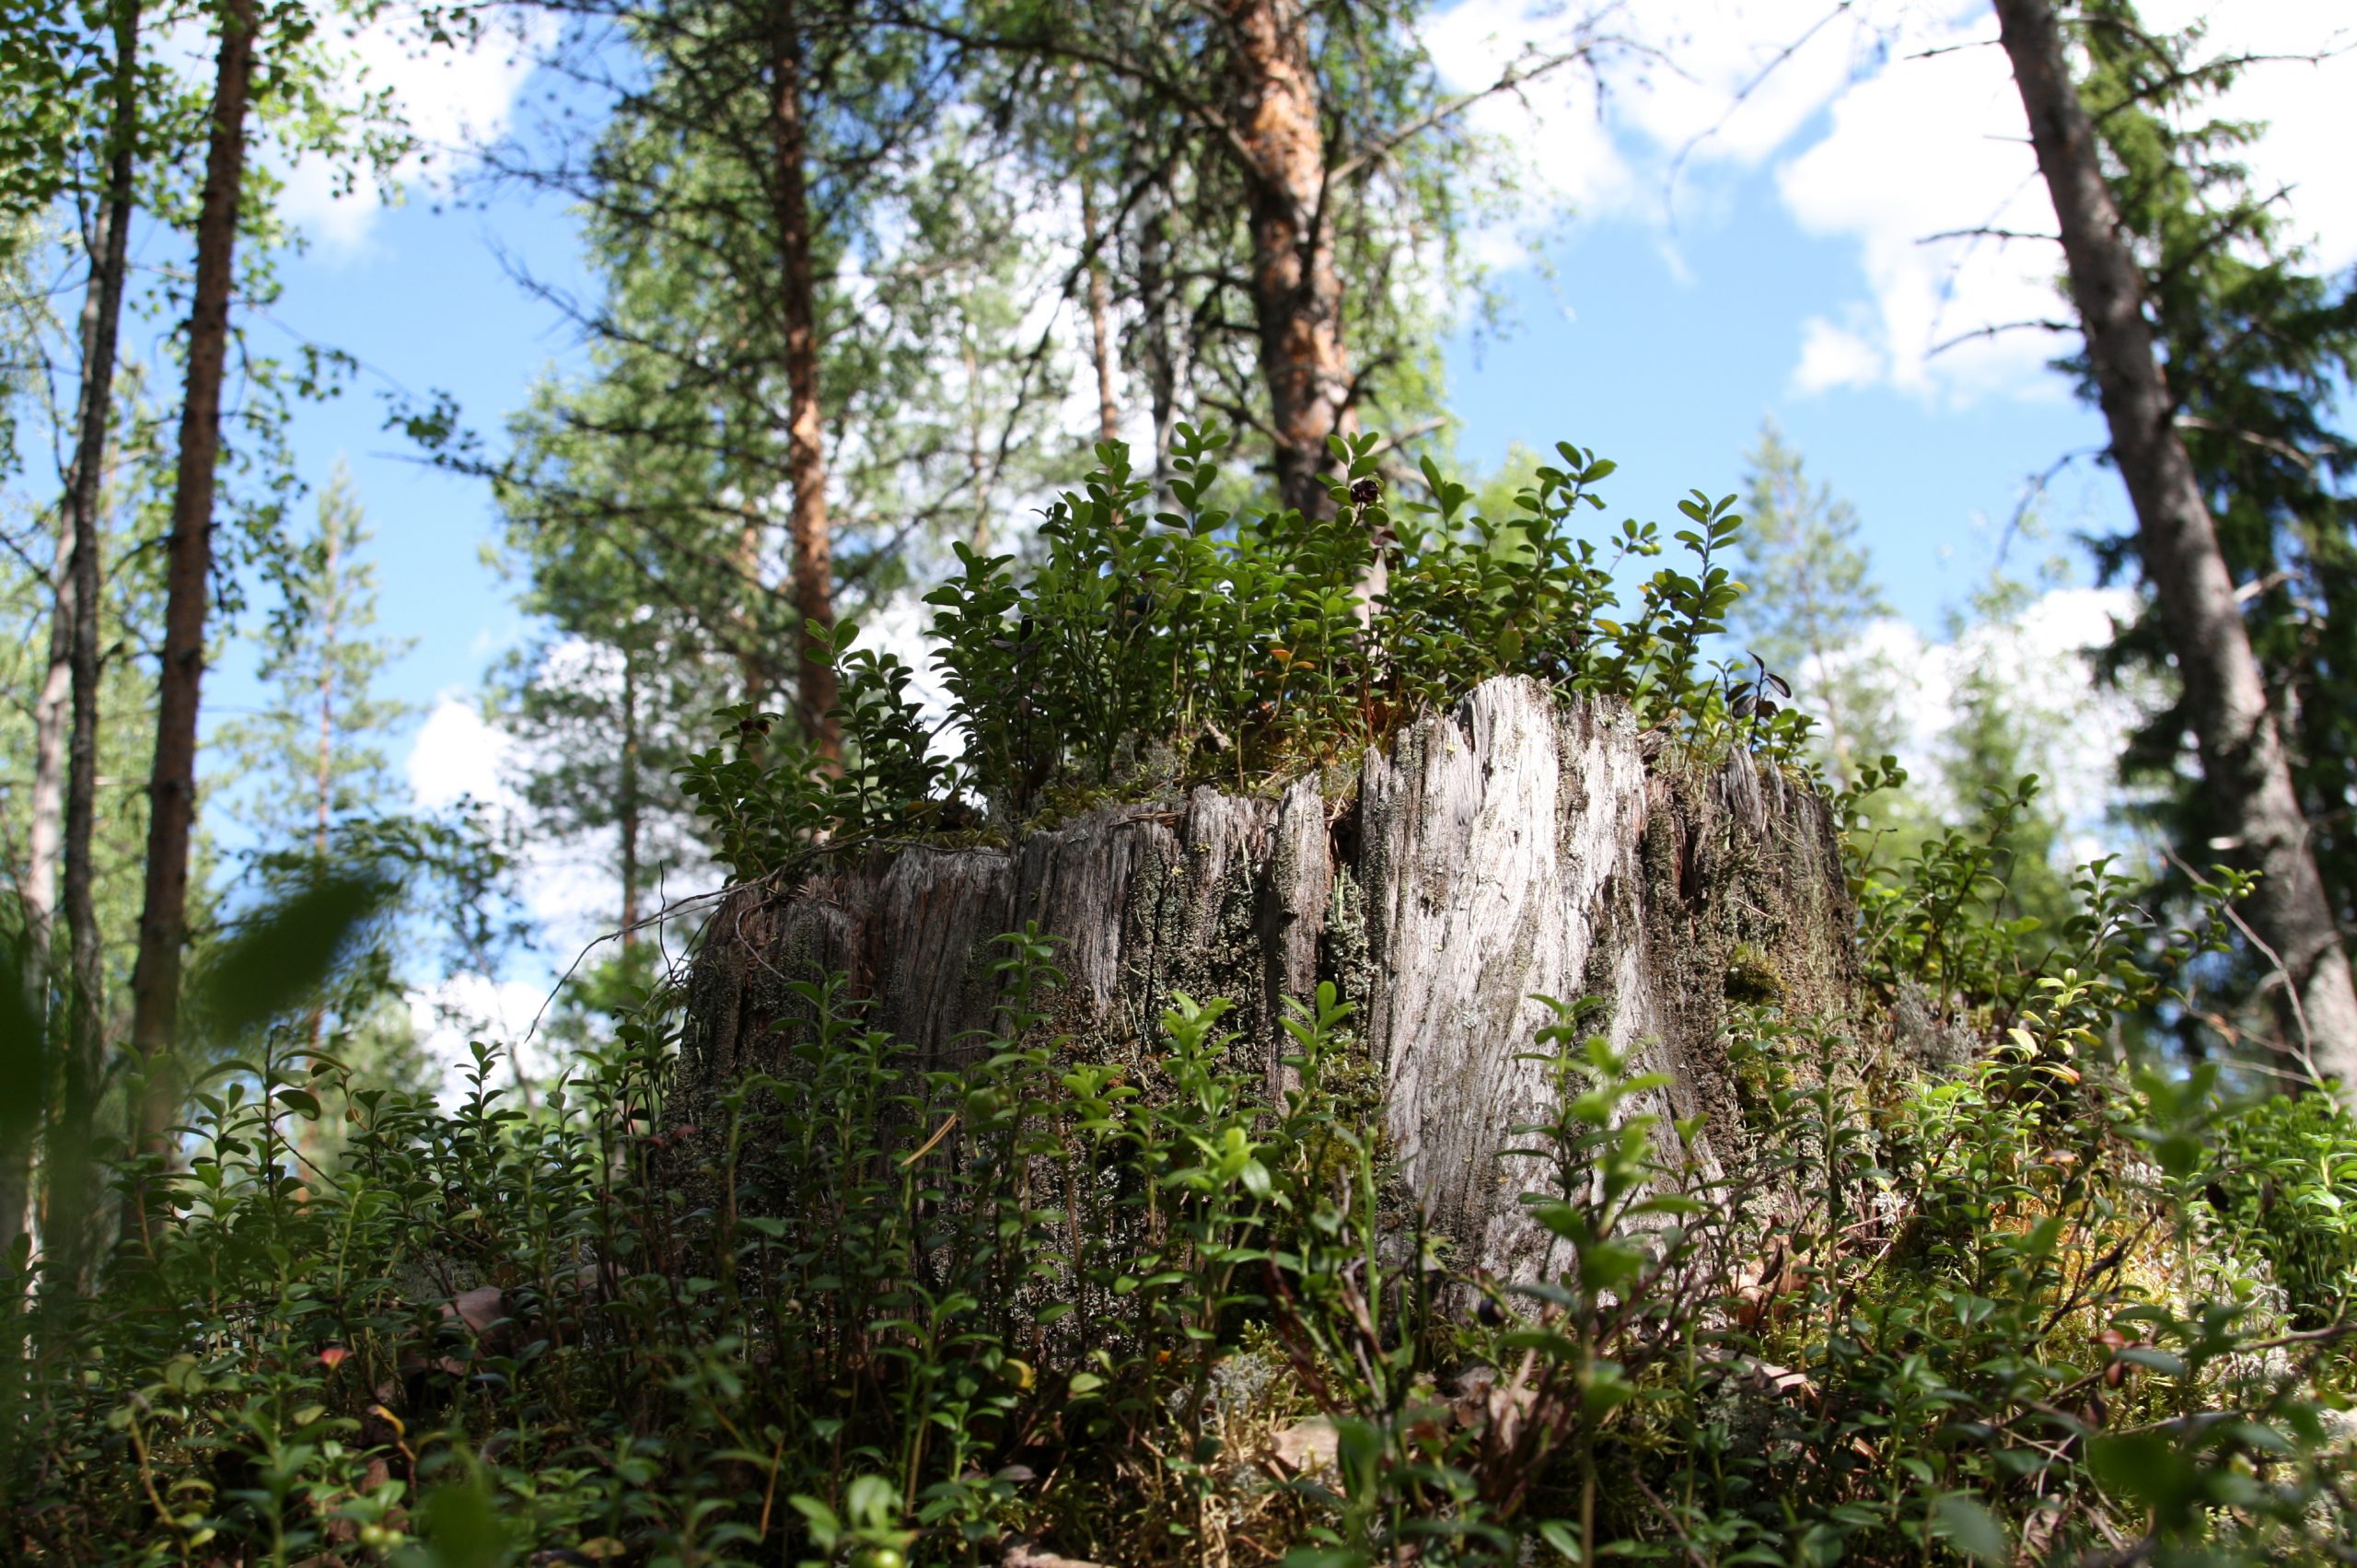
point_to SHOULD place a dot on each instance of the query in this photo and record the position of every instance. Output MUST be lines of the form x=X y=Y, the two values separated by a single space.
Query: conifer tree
x=2261 y=345
x=1279 y=178
x=763 y=349
x=315 y=758
x=605 y=705
x=2159 y=270
x=313 y=782
x=1811 y=599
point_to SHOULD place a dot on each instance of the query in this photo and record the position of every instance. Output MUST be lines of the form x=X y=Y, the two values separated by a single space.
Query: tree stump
x=1520 y=844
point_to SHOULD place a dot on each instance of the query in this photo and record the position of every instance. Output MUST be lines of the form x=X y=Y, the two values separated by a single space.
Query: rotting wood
x=1517 y=845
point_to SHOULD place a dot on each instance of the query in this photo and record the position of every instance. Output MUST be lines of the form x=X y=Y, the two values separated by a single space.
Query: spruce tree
x=1811 y=599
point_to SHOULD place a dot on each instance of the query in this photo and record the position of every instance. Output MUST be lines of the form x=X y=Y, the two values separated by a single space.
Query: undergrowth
x=886 y=1309
x=873 y=1306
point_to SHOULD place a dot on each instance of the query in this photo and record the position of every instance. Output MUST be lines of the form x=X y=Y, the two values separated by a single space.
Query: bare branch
x=2043 y=325
x=1526 y=68
x=1986 y=232
x=1742 y=96
x=2280 y=448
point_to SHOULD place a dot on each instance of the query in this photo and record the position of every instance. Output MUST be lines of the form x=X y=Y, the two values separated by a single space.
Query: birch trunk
x=1516 y=846
x=1158 y=346
x=1101 y=313
x=2243 y=762
x=626 y=804
x=79 y=608
x=162 y=916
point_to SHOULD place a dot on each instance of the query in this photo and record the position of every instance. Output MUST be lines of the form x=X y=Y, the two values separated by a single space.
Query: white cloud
x=2074 y=732
x=566 y=886
x=1936 y=142
x=1834 y=356
x=1684 y=95
x=458 y=755
x=449 y=97
x=1890 y=123
x=463 y=1008
x=1927 y=147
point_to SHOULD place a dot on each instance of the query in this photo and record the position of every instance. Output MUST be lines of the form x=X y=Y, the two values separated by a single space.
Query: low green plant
x=2286 y=1191
x=875 y=1306
x=871 y=1304
x=1152 y=649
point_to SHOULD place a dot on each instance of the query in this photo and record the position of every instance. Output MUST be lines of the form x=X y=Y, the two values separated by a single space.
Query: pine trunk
x=813 y=568
x=1160 y=347
x=1296 y=292
x=1100 y=315
x=2243 y=763
x=1516 y=846
x=171 y=791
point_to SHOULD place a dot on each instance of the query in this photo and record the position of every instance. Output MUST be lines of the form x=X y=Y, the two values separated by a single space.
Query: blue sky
x=1670 y=370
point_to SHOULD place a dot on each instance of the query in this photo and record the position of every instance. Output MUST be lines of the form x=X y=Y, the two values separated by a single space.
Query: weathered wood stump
x=1517 y=845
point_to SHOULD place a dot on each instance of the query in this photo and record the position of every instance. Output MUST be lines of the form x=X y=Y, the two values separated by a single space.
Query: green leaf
x=2146 y=1468
x=463 y=1526
x=1970 y=1528
x=285 y=954
x=826 y=1529
x=872 y=1502
x=2159 y=1361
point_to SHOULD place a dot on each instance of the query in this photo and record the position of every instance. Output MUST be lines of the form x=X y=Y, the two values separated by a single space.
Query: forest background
x=1717 y=222
x=479 y=478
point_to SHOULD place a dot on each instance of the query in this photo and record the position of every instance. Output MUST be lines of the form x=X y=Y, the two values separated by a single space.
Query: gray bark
x=1516 y=846
x=2243 y=762
x=80 y=607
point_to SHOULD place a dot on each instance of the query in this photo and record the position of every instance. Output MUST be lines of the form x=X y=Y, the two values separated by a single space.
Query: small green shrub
x=882 y=1310
x=2286 y=1191
x=1194 y=643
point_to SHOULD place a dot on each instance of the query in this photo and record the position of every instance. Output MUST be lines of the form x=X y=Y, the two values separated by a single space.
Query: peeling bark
x=1515 y=845
x=1296 y=291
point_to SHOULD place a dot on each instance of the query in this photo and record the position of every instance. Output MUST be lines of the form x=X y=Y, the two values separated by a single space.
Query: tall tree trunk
x=171 y=790
x=752 y=669
x=74 y=1193
x=626 y=803
x=324 y=758
x=46 y=832
x=2243 y=762
x=1297 y=294
x=978 y=465
x=1100 y=335
x=1158 y=346
x=47 y=827
x=323 y=752
x=814 y=565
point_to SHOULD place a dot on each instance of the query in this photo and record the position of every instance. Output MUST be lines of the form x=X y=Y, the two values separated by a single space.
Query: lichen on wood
x=1519 y=844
